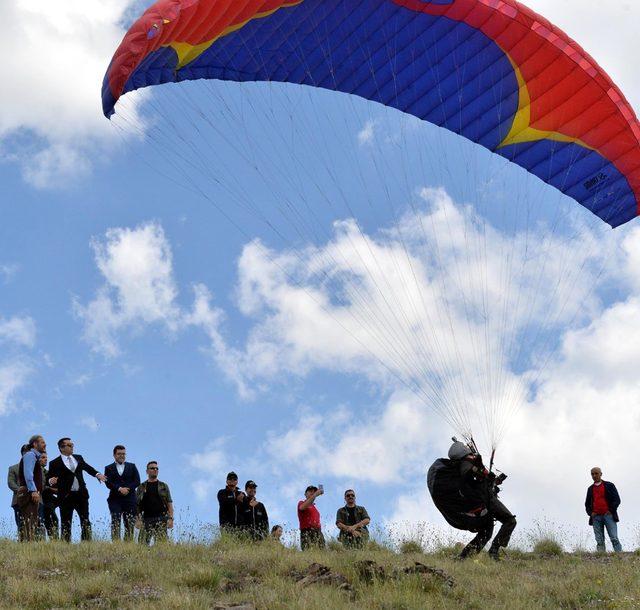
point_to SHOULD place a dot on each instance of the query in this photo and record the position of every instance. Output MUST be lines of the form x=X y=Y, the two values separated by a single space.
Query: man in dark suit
x=122 y=480
x=65 y=474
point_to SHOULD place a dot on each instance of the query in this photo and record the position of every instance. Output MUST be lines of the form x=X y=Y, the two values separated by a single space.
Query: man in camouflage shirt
x=352 y=521
x=155 y=507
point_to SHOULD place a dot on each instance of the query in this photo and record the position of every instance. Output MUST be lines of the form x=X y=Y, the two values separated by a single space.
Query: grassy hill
x=266 y=576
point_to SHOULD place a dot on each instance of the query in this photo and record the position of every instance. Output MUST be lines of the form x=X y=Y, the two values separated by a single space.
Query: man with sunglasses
x=66 y=475
x=352 y=521
x=155 y=507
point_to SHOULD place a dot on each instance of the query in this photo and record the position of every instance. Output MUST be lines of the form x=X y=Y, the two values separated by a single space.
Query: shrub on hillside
x=548 y=546
x=410 y=546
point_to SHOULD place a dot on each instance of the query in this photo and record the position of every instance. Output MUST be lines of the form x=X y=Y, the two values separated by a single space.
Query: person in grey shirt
x=13 y=483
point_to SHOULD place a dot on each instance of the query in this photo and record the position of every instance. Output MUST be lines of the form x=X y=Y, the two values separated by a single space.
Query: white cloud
x=213 y=461
x=367 y=133
x=90 y=423
x=13 y=377
x=361 y=447
x=209 y=319
x=201 y=489
x=17 y=336
x=140 y=290
x=50 y=114
x=139 y=286
x=8 y=271
x=56 y=165
x=20 y=331
x=438 y=302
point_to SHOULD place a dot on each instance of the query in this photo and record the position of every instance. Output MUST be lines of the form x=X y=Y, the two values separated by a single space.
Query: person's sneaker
x=494 y=553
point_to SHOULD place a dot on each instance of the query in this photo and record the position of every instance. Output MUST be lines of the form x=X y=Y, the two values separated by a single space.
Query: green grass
x=547 y=547
x=104 y=575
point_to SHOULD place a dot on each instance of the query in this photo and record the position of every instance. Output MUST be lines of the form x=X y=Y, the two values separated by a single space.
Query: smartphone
x=321 y=487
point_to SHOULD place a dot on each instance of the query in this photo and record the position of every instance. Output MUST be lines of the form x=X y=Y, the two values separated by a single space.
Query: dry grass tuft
x=548 y=547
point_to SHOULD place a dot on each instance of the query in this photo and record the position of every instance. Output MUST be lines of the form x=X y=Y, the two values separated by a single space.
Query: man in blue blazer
x=122 y=480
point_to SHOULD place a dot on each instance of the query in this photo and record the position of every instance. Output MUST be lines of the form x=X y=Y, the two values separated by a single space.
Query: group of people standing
x=40 y=487
x=242 y=513
x=462 y=488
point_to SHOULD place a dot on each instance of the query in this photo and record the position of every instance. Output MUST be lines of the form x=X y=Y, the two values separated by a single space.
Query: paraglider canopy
x=444 y=315
x=492 y=71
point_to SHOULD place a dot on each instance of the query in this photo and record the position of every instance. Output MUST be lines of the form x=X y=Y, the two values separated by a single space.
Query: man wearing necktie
x=66 y=474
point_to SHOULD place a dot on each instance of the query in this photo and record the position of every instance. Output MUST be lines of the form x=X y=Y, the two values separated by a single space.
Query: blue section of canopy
x=437 y=69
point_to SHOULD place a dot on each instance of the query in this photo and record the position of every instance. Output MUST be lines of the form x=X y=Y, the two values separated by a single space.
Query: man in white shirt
x=66 y=475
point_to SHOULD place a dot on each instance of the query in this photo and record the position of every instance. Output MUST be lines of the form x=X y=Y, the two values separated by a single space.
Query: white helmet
x=459 y=451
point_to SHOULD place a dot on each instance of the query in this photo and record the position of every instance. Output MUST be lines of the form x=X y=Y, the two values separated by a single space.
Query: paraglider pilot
x=466 y=493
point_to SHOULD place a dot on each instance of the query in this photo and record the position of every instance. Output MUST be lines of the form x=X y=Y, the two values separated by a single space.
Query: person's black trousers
x=122 y=512
x=78 y=502
x=311 y=539
x=499 y=512
x=154 y=529
x=50 y=522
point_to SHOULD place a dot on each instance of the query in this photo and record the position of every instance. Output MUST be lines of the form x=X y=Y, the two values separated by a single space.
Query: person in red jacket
x=602 y=507
x=309 y=517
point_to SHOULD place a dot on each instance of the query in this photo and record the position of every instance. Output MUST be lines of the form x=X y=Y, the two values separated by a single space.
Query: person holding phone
x=311 y=535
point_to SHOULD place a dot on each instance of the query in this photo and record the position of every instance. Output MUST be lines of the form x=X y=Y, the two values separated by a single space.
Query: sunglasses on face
x=349 y=496
x=152 y=468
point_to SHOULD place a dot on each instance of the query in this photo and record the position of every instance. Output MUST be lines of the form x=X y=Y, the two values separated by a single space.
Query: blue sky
x=132 y=311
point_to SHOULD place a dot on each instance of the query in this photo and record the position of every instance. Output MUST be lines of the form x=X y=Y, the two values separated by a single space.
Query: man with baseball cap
x=311 y=535
x=255 y=520
x=230 y=499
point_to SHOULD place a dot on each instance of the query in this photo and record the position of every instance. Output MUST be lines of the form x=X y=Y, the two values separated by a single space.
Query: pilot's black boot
x=494 y=552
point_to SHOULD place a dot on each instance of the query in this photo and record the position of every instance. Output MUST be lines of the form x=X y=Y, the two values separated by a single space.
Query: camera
x=500 y=479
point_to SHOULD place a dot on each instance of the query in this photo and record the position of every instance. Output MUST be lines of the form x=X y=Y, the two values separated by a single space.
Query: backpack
x=445 y=485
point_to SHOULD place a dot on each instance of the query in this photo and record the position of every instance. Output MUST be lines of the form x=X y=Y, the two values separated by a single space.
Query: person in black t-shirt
x=230 y=499
x=255 y=520
x=155 y=507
